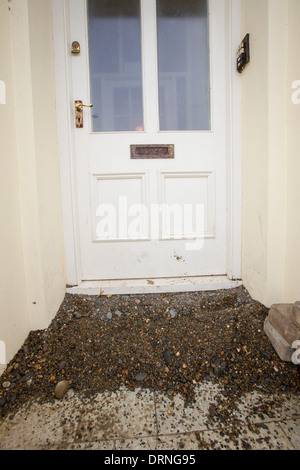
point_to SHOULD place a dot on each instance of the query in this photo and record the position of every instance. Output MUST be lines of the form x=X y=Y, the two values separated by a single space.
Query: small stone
x=172 y=313
x=62 y=365
x=118 y=313
x=212 y=411
x=140 y=377
x=61 y=389
x=265 y=355
x=6 y=384
x=167 y=357
x=109 y=315
x=137 y=301
x=77 y=315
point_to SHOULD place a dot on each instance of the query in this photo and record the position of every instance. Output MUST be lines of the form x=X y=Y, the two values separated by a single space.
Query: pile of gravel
x=166 y=342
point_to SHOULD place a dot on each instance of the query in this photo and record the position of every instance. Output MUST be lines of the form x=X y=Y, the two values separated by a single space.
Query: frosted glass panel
x=115 y=65
x=183 y=64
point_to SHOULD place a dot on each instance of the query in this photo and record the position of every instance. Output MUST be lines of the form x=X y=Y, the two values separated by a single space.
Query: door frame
x=65 y=130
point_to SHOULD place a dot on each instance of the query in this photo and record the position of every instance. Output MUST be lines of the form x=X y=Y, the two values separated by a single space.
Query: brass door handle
x=79 y=105
x=79 y=114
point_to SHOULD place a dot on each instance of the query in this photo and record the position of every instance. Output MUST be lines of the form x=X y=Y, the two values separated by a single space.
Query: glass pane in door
x=183 y=65
x=115 y=65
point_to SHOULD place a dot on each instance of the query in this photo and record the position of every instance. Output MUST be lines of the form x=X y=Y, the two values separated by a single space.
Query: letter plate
x=152 y=151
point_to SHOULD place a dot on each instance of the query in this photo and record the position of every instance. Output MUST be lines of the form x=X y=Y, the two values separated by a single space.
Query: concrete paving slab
x=181 y=442
x=175 y=416
x=141 y=443
x=268 y=437
x=146 y=420
x=37 y=425
x=257 y=407
x=121 y=414
x=291 y=428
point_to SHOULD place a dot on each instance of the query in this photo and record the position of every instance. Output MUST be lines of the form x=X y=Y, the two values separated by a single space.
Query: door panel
x=150 y=217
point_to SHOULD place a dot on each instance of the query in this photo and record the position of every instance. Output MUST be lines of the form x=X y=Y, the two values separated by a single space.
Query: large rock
x=282 y=327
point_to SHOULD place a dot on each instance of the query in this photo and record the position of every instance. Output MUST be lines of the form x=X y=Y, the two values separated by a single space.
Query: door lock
x=79 y=113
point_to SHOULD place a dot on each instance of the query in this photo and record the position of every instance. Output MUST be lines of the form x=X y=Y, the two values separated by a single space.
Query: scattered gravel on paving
x=168 y=342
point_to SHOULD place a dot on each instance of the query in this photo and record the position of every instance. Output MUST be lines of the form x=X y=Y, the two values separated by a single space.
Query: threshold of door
x=152 y=286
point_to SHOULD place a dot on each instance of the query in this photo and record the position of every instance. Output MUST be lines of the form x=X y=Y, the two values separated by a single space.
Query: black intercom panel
x=243 y=54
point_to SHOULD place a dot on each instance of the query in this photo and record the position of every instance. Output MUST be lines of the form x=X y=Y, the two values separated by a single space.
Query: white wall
x=31 y=248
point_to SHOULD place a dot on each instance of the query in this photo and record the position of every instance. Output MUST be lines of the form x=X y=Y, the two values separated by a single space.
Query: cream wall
x=31 y=253
x=14 y=318
x=270 y=234
x=292 y=261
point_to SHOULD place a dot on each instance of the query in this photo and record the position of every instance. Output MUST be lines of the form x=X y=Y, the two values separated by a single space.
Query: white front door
x=151 y=180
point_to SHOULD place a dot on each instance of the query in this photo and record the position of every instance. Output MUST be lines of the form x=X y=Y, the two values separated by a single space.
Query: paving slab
x=142 y=443
x=291 y=428
x=176 y=416
x=258 y=407
x=181 y=442
x=38 y=425
x=268 y=437
x=145 y=420
x=116 y=415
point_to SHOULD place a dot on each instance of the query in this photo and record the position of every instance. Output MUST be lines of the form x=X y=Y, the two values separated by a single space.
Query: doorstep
x=154 y=286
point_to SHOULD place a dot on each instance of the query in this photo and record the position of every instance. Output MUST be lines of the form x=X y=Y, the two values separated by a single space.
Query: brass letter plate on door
x=152 y=151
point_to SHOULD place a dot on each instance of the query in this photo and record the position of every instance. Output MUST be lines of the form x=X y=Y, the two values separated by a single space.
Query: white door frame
x=65 y=126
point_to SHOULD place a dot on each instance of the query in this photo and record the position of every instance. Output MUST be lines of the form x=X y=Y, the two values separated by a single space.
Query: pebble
x=62 y=365
x=168 y=357
x=211 y=411
x=61 y=389
x=141 y=376
x=172 y=313
x=6 y=384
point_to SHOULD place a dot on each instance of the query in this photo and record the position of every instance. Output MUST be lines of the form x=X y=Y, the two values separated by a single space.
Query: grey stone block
x=280 y=345
x=297 y=312
x=282 y=327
